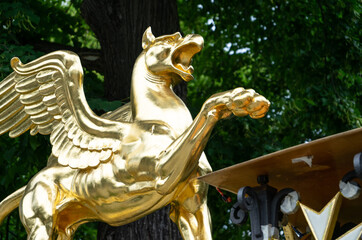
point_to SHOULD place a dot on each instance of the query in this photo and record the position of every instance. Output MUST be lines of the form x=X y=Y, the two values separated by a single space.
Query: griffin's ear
x=147 y=38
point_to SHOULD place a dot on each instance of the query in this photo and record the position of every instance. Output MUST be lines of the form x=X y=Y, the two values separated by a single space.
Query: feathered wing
x=46 y=96
x=121 y=114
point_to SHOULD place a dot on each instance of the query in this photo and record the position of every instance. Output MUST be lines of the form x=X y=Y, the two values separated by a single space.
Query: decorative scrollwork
x=248 y=203
x=263 y=205
x=357 y=163
x=237 y=215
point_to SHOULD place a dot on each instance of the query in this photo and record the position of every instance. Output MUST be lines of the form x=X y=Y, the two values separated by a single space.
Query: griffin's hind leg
x=37 y=207
x=36 y=210
x=71 y=215
x=66 y=234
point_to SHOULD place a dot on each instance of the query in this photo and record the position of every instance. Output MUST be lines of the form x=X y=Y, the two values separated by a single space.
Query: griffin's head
x=171 y=55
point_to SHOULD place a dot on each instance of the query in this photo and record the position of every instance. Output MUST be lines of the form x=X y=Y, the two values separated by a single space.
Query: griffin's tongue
x=183 y=68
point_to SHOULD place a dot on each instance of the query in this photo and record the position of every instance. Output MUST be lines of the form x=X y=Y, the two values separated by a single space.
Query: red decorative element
x=224 y=197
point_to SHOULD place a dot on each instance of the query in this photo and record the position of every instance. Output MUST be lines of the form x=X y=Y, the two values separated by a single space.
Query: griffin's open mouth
x=182 y=55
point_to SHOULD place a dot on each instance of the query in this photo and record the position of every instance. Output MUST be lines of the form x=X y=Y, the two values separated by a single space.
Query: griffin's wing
x=122 y=114
x=46 y=96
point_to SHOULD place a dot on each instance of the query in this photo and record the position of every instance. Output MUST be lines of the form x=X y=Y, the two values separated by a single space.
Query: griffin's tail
x=10 y=203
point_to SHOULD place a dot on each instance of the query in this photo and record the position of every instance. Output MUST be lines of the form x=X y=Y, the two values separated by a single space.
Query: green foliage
x=86 y=231
x=22 y=22
x=303 y=56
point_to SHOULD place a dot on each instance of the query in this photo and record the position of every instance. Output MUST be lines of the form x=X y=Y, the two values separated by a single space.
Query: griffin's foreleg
x=189 y=210
x=193 y=225
x=181 y=157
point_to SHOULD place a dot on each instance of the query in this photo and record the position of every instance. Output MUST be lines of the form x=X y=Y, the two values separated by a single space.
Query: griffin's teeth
x=181 y=67
x=188 y=69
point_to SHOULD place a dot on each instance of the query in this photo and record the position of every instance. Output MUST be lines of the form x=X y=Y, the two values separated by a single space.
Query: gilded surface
x=127 y=163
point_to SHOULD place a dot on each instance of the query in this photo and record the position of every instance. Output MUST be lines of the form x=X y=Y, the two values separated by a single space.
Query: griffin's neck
x=152 y=98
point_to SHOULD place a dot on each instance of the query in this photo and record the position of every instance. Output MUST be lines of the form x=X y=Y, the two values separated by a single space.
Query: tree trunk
x=119 y=26
x=156 y=226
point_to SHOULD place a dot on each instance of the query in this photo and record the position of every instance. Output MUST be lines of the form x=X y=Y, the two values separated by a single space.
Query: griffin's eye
x=169 y=41
x=164 y=53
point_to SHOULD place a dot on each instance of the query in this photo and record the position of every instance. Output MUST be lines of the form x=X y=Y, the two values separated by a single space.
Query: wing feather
x=46 y=76
x=77 y=137
x=69 y=124
x=72 y=132
x=30 y=98
x=16 y=120
x=64 y=151
x=57 y=146
x=41 y=118
x=85 y=141
x=47 y=128
x=21 y=128
x=34 y=130
x=10 y=112
x=46 y=88
x=35 y=109
x=7 y=84
x=8 y=99
x=105 y=155
x=54 y=110
x=59 y=133
x=74 y=154
x=62 y=141
x=67 y=115
x=50 y=100
x=92 y=158
x=26 y=85
x=93 y=145
x=55 y=132
x=46 y=96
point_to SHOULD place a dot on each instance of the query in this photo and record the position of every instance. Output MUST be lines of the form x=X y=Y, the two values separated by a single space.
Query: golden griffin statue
x=123 y=165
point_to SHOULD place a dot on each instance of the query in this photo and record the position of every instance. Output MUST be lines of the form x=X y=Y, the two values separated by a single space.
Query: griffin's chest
x=142 y=146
